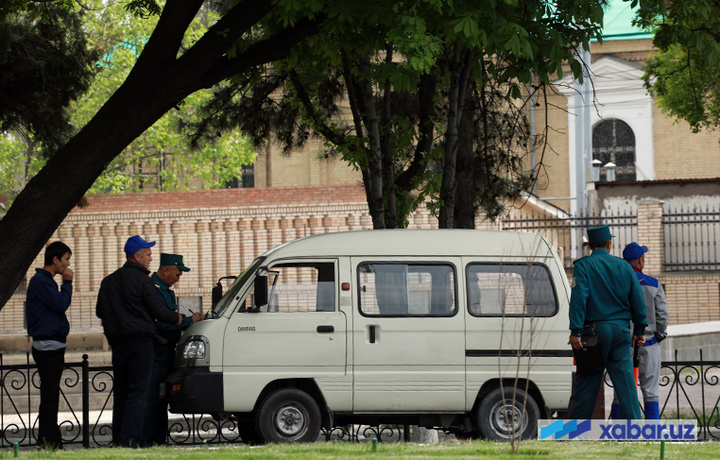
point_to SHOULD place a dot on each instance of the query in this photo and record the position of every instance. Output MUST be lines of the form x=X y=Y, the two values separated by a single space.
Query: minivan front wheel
x=500 y=418
x=289 y=415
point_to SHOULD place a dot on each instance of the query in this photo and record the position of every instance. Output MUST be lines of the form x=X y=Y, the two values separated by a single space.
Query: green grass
x=550 y=450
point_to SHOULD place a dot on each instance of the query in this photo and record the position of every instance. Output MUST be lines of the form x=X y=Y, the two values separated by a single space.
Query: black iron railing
x=559 y=229
x=689 y=389
x=691 y=238
x=86 y=411
x=692 y=391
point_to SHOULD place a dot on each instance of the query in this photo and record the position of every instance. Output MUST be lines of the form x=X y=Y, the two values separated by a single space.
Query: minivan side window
x=523 y=289
x=400 y=289
x=302 y=287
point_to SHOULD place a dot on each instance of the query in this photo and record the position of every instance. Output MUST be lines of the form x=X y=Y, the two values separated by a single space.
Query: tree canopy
x=45 y=64
x=164 y=74
x=423 y=98
x=683 y=75
x=159 y=159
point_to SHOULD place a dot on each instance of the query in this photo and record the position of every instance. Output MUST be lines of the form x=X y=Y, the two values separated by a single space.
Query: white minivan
x=460 y=330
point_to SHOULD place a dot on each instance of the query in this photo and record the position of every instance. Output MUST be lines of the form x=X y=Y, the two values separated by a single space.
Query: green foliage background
x=161 y=158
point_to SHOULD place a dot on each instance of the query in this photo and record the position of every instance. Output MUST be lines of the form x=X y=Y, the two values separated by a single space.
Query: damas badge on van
x=573 y=282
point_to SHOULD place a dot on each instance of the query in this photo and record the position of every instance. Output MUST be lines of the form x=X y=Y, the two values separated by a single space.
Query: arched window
x=614 y=141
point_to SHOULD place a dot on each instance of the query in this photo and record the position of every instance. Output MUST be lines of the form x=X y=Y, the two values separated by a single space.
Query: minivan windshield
x=232 y=294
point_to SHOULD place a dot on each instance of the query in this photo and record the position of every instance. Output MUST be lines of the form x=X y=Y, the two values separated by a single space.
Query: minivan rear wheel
x=289 y=415
x=500 y=418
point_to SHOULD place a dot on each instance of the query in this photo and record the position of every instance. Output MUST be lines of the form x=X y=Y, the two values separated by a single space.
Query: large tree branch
x=215 y=44
x=271 y=49
x=319 y=125
x=167 y=37
x=426 y=129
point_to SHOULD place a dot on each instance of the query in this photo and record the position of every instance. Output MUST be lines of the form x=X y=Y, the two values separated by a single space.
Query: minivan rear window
x=402 y=289
x=523 y=289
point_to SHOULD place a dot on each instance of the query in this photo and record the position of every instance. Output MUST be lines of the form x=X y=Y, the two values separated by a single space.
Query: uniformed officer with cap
x=606 y=296
x=155 y=423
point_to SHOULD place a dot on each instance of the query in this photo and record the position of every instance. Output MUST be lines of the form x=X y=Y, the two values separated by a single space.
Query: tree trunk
x=464 y=214
x=459 y=75
x=376 y=201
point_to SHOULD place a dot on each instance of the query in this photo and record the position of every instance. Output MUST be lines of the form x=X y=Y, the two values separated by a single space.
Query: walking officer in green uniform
x=606 y=295
x=155 y=423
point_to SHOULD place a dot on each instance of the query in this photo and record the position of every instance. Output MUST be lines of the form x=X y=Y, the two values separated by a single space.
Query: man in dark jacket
x=48 y=326
x=128 y=307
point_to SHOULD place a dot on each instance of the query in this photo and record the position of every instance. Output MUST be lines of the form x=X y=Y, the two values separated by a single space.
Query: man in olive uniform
x=155 y=423
x=606 y=296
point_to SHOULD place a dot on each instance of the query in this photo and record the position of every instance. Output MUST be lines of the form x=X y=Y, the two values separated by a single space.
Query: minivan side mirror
x=261 y=291
x=217 y=292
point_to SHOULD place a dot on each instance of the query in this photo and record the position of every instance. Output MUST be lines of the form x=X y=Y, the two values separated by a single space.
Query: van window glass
x=510 y=290
x=397 y=289
x=301 y=287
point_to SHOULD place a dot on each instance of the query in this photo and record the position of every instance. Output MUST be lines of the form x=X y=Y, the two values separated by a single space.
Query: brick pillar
x=202 y=252
x=232 y=247
x=219 y=252
x=287 y=225
x=275 y=232
x=650 y=234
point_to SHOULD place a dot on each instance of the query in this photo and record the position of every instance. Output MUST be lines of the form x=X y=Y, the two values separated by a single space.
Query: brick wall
x=219 y=232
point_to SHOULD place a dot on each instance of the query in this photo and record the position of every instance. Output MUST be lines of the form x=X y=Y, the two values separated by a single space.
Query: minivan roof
x=415 y=242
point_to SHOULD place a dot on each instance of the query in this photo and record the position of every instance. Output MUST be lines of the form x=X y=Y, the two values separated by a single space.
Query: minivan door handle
x=325 y=329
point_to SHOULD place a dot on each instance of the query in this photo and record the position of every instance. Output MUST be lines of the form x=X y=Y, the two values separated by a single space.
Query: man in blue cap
x=128 y=305
x=650 y=354
x=155 y=424
x=606 y=296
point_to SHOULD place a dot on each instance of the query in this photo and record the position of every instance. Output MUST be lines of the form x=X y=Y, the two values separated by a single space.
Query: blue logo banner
x=618 y=430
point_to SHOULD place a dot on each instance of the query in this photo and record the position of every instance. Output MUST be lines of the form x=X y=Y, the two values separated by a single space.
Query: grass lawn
x=461 y=450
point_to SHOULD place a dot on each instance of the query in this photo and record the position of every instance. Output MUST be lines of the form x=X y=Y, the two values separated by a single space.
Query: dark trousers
x=132 y=364
x=614 y=343
x=50 y=368
x=155 y=425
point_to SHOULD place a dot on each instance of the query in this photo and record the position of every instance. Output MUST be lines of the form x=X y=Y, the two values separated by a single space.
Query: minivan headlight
x=193 y=352
x=194 y=349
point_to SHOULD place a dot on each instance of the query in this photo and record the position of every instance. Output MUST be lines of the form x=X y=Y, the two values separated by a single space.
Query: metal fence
x=690 y=389
x=559 y=230
x=691 y=238
x=85 y=414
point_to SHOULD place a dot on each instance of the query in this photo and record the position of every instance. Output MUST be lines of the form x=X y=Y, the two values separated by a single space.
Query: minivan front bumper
x=194 y=390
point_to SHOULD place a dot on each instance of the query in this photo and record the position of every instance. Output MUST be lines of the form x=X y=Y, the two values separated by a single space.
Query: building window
x=614 y=141
x=246 y=181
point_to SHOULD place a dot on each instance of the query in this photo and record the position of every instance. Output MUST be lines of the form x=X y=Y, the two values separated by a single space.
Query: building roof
x=618 y=22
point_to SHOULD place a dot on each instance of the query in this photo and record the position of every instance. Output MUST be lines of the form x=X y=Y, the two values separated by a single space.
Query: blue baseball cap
x=634 y=251
x=599 y=234
x=135 y=243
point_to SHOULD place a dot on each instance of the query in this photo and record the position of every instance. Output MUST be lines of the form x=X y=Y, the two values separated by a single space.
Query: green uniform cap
x=599 y=234
x=173 y=259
